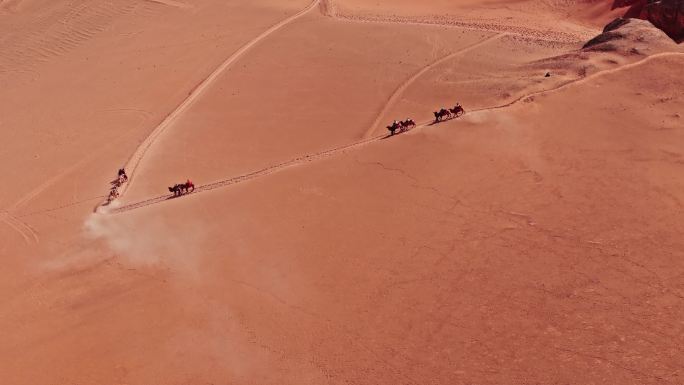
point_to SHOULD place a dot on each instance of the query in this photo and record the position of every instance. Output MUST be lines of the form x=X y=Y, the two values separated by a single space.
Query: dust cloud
x=148 y=241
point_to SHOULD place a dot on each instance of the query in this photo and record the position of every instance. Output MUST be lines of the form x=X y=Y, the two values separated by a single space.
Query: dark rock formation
x=668 y=15
x=630 y=37
x=615 y=24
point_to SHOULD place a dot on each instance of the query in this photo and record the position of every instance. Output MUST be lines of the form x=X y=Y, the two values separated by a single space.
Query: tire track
x=32 y=233
x=28 y=233
x=4 y=218
x=400 y=90
x=338 y=150
x=135 y=159
x=329 y=9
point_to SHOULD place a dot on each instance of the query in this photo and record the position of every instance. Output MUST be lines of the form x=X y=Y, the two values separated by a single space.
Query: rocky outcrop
x=668 y=15
x=631 y=36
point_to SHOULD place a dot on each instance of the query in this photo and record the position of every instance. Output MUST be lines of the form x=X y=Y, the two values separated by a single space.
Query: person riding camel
x=122 y=175
x=458 y=110
x=113 y=194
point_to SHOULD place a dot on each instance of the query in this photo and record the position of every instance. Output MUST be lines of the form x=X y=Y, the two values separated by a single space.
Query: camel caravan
x=177 y=189
x=441 y=115
x=116 y=183
x=182 y=188
x=401 y=126
x=448 y=113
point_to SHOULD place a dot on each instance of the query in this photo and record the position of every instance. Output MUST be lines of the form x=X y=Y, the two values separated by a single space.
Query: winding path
x=24 y=230
x=135 y=159
x=252 y=175
x=338 y=150
x=327 y=8
x=582 y=80
x=400 y=90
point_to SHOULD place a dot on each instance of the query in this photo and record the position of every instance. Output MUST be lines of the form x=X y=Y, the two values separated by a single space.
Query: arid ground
x=537 y=239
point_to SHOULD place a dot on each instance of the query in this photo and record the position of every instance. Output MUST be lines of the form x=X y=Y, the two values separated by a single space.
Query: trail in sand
x=402 y=87
x=24 y=230
x=338 y=150
x=312 y=252
x=251 y=175
x=451 y=21
x=135 y=159
x=328 y=8
x=583 y=80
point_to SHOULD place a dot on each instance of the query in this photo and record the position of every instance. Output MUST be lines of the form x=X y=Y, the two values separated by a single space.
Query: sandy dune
x=536 y=239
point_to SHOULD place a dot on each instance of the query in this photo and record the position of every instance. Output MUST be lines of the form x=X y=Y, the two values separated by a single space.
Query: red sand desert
x=536 y=239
